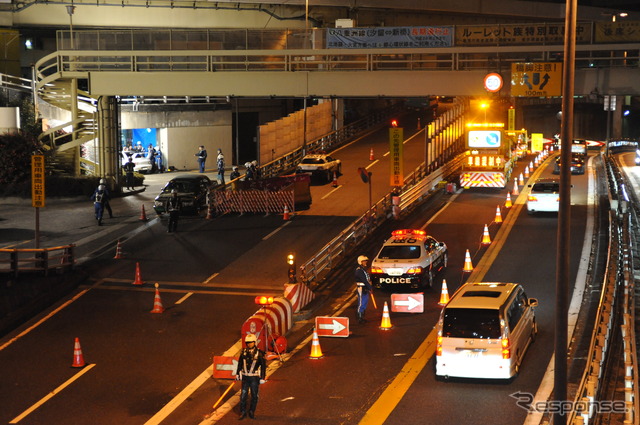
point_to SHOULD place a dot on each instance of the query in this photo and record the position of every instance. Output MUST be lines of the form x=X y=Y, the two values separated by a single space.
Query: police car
x=408 y=259
x=320 y=165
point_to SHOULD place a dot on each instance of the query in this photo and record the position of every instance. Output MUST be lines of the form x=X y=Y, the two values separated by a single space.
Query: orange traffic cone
x=78 y=358
x=385 y=325
x=286 y=216
x=498 y=218
x=316 y=351
x=143 y=214
x=468 y=267
x=515 y=191
x=444 y=294
x=138 y=280
x=536 y=160
x=335 y=180
x=521 y=180
x=209 y=211
x=526 y=171
x=486 y=239
x=508 y=203
x=118 y=251
x=157 y=302
x=371 y=157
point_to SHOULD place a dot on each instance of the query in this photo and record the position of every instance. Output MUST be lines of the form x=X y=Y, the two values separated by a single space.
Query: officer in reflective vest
x=363 y=287
x=252 y=368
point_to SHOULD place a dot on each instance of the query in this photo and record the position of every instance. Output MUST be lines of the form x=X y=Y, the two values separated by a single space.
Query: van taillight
x=439 y=346
x=506 y=348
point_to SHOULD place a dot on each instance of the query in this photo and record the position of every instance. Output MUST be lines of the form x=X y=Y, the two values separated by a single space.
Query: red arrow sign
x=407 y=303
x=224 y=367
x=332 y=326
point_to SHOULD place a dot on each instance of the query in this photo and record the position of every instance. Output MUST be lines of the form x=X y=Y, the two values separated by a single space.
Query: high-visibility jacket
x=252 y=363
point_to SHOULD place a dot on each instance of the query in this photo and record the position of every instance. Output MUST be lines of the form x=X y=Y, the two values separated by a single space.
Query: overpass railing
x=44 y=260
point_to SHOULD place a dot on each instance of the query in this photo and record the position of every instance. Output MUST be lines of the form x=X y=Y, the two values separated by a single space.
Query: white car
x=544 y=196
x=142 y=163
x=321 y=165
x=408 y=259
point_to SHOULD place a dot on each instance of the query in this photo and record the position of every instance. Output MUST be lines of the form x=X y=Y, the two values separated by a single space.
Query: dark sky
x=630 y=5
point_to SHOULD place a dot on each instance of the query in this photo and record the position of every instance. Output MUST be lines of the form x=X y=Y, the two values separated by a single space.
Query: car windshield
x=546 y=187
x=471 y=323
x=404 y=252
x=313 y=161
x=180 y=186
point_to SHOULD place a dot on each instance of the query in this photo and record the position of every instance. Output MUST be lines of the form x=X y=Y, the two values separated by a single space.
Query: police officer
x=174 y=205
x=99 y=197
x=128 y=169
x=220 y=164
x=363 y=287
x=249 y=174
x=107 y=205
x=252 y=369
x=235 y=173
x=202 y=157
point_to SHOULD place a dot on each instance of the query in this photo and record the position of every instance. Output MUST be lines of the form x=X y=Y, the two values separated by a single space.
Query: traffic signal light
x=291 y=262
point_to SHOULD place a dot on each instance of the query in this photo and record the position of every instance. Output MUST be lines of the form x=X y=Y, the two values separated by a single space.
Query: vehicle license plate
x=394 y=272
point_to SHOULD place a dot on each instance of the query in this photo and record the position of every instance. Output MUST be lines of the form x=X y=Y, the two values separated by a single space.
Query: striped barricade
x=279 y=319
x=299 y=294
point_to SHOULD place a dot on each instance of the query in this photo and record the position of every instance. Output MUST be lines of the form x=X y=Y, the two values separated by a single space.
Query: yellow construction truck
x=490 y=156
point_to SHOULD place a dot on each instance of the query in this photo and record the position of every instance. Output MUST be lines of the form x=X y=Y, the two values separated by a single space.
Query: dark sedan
x=577 y=165
x=192 y=190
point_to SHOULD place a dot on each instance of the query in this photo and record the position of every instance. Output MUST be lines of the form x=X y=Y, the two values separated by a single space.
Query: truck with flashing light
x=490 y=156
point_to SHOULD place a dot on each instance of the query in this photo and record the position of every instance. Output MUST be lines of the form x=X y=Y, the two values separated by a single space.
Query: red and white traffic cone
x=508 y=203
x=138 y=280
x=371 y=157
x=444 y=294
x=468 y=266
x=316 y=351
x=157 y=302
x=498 y=218
x=486 y=238
x=143 y=214
x=78 y=357
x=285 y=215
x=385 y=324
x=335 y=180
x=515 y=191
x=118 y=251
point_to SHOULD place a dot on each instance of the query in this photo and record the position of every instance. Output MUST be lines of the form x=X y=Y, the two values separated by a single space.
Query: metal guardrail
x=15 y=261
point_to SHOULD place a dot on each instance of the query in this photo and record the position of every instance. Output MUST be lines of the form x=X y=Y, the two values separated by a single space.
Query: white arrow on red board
x=226 y=366
x=335 y=326
x=410 y=303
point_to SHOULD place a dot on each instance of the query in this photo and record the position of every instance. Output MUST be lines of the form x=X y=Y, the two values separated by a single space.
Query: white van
x=484 y=331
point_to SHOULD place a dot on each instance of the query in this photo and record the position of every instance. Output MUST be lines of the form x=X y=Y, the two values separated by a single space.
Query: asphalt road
x=209 y=273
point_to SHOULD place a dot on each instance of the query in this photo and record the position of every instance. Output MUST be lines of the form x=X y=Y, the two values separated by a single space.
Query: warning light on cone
x=291 y=262
x=263 y=300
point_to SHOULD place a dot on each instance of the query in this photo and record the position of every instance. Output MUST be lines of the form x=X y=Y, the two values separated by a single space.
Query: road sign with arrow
x=332 y=326
x=407 y=303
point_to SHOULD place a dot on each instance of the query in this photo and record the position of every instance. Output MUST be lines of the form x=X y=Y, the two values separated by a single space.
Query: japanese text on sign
x=37 y=180
x=623 y=31
x=389 y=37
x=396 y=138
x=536 y=79
x=510 y=34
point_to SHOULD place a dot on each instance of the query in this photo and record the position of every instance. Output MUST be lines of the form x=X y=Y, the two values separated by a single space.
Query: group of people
x=253 y=172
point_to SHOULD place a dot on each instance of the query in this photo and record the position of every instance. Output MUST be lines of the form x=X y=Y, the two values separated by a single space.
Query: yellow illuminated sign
x=396 y=138
x=37 y=181
x=536 y=79
x=536 y=142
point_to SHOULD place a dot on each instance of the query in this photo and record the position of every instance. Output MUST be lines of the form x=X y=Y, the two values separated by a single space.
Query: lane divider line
x=286 y=223
x=187 y=295
x=210 y=278
x=327 y=195
x=46 y=398
x=372 y=164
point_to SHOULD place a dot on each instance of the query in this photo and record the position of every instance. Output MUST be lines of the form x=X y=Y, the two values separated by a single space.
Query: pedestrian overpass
x=114 y=63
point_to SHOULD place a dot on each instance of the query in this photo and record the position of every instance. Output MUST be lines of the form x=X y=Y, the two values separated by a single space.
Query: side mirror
x=533 y=302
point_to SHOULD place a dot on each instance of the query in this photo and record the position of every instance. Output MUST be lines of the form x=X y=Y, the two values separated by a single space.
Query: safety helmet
x=103 y=181
x=247 y=164
x=102 y=187
x=362 y=258
x=254 y=163
x=174 y=191
x=235 y=168
x=250 y=338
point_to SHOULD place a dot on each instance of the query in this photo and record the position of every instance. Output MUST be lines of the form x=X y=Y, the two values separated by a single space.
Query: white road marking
x=372 y=164
x=327 y=195
x=46 y=398
x=187 y=295
x=210 y=278
x=286 y=223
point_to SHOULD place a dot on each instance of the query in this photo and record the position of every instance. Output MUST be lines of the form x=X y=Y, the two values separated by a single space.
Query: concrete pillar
x=109 y=141
x=73 y=100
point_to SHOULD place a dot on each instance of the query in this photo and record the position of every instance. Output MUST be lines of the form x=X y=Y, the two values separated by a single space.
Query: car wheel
x=329 y=176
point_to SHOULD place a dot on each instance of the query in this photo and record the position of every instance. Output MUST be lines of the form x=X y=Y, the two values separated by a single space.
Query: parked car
x=409 y=259
x=192 y=190
x=320 y=165
x=142 y=163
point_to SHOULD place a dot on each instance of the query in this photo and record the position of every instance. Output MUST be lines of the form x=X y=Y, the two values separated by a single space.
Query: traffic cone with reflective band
x=444 y=294
x=118 y=251
x=78 y=357
x=526 y=171
x=468 y=267
x=285 y=215
x=508 y=203
x=531 y=165
x=486 y=239
x=385 y=324
x=143 y=214
x=157 y=302
x=335 y=180
x=515 y=191
x=316 y=351
x=138 y=280
x=209 y=211
x=498 y=218
x=371 y=157
x=536 y=160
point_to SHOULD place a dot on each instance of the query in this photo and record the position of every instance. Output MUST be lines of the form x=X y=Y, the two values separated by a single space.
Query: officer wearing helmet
x=252 y=368
x=99 y=197
x=234 y=173
x=363 y=287
x=174 y=205
x=107 y=205
x=250 y=173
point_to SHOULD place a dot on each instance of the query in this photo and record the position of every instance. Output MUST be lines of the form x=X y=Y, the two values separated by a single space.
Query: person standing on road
x=151 y=155
x=252 y=368
x=128 y=169
x=99 y=197
x=107 y=205
x=363 y=287
x=220 y=163
x=174 y=205
x=202 y=157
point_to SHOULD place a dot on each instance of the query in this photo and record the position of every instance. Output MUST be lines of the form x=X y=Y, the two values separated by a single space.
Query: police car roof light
x=408 y=232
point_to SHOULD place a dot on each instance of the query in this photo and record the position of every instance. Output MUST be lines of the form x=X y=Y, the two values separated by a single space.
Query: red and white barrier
x=279 y=319
x=299 y=294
